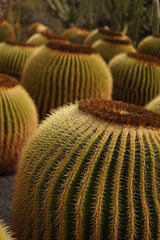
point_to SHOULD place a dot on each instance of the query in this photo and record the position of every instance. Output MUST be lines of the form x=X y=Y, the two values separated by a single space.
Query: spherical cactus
x=6 y=31
x=94 y=35
x=38 y=27
x=112 y=44
x=18 y=118
x=69 y=72
x=75 y=35
x=154 y=105
x=42 y=38
x=5 y=234
x=136 y=77
x=91 y=171
x=13 y=55
x=150 y=45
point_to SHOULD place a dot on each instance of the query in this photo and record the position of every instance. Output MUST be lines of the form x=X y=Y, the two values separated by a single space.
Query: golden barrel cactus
x=136 y=77
x=91 y=171
x=154 y=105
x=38 y=27
x=75 y=35
x=94 y=35
x=61 y=72
x=6 y=31
x=5 y=234
x=13 y=56
x=18 y=119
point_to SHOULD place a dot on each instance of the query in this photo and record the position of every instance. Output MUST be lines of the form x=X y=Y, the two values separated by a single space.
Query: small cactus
x=61 y=72
x=6 y=31
x=13 y=55
x=135 y=77
x=75 y=35
x=93 y=36
x=18 y=118
x=5 y=234
x=154 y=105
x=91 y=171
x=38 y=27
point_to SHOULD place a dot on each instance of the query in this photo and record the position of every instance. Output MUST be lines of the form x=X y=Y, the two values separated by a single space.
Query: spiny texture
x=6 y=31
x=136 y=77
x=150 y=45
x=93 y=36
x=154 y=105
x=112 y=44
x=13 y=55
x=38 y=27
x=59 y=73
x=75 y=35
x=18 y=118
x=4 y=232
x=91 y=171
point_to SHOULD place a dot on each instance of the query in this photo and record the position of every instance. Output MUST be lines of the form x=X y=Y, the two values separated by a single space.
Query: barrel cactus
x=75 y=35
x=13 y=55
x=150 y=45
x=69 y=72
x=91 y=171
x=6 y=31
x=154 y=105
x=38 y=27
x=5 y=234
x=112 y=44
x=136 y=77
x=18 y=118
x=94 y=35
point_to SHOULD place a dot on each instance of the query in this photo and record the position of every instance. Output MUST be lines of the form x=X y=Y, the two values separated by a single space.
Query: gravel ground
x=6 y=192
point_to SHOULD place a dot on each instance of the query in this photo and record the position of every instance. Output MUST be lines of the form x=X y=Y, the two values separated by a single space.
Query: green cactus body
x=150 y=46
x=13 y=55
x=75 y=35
x=91 y=171
x=94 y=36
x=18 y=119
x=38 y=27
x=6 y=31
x=154 y=105
x=59 y=73
x=113 y=44
x=135 y=77
x=42 y=38
x=5 y=234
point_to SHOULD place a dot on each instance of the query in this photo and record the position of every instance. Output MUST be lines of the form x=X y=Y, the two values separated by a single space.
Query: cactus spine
x=4 y=232
x=154 y=105
x=135 y=77
x=91 y=171
x=18 y=120
x=70 y=72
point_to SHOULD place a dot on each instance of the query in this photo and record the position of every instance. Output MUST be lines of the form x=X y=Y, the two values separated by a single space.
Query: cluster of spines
x=5 y=234
x=89 y=179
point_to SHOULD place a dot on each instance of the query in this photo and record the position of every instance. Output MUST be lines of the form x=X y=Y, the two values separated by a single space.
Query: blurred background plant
x=134 y=17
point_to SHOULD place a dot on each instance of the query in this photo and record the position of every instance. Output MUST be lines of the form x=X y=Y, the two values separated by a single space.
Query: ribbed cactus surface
x=91 y=171
x=62 y=72
x=18 y=119
x=6 y=31
x=13 y=56
x=94 y=35
x=154 y=105
x=75 y=35
x=38 y=27
x=136 y=77
x=150 y=45
x=4 y=232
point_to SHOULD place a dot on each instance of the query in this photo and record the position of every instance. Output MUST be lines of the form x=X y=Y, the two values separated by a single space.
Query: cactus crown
x=70 y=48
x=111 y=32
x=156 y=35
x=52 y=35
x=120 y=112
x=2 y=21
x=143 y=57
x=126 y=41
x=18 y=43
x=7 y=81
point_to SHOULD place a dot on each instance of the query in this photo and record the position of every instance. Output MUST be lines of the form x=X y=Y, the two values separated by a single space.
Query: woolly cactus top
x=21 y=44
x=52 y=35
x=70 y=48
x=7 y=81
x=120 y=112
x=143 y=57
x=2 y=21
x=111 y=32
x=81 y=32
x=125 y=41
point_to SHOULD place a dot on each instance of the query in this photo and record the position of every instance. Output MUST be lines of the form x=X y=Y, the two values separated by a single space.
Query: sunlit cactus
x=91 y=171
x=75 y=35
x=5 y=234
x=62 y=72
x=18 y=118
x=93 y=36
x=154 y=105
x=13 y=56
x=136 y=77
x=38 y=27
x=150 y=45
x=112 y=44
x=6 y=31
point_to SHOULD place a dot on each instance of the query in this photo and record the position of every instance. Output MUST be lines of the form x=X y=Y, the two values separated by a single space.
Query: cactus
x=93 y=36
x=155 y=17
x=154 y=105
x=18 y=120
x=6 y=31
x=91 y=171
x=69 y=72
x=150 y=45
x=75 y=35
x=135 y=77
x=112 y=43
x=42 y=38
x=13 y=55
x=38 y=27
x=5 y=234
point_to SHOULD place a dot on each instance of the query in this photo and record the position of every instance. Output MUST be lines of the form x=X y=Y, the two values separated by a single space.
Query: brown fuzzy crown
x=2 y=20
x=125 y=41
x=53 y=36
x=69 y=47
x=80 y=31
x=156 y=35
x=111 y=32
x=143 y=57
x=120 y=113
x=18 y=43
x=7 y=81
